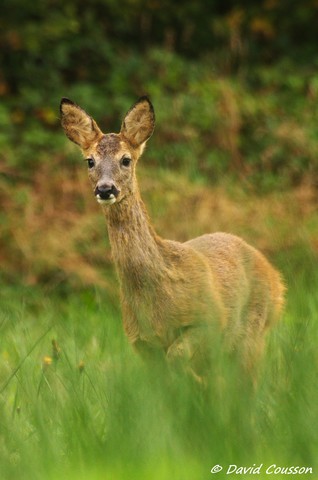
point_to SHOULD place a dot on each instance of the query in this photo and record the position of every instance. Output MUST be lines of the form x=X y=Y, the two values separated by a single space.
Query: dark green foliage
x=233 y=83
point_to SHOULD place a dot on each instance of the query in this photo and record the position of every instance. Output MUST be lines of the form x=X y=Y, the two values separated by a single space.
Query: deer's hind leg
x=253 y=342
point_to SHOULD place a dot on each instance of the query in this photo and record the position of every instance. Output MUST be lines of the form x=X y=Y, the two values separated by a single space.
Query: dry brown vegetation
x=53 y=230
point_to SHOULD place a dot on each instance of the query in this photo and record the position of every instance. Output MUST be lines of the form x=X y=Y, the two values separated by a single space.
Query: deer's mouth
x=106 y=201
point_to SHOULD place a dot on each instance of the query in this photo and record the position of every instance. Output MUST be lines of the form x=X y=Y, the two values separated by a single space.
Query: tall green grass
x=90 y=409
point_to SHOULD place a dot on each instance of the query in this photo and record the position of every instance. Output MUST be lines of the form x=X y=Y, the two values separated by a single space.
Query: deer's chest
x=146 y=317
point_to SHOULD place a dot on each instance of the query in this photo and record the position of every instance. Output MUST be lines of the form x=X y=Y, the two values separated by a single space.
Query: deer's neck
x=136 y=248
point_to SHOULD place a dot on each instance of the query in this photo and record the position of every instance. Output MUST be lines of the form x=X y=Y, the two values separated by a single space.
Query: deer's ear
x=139 y=122
x=78 y=125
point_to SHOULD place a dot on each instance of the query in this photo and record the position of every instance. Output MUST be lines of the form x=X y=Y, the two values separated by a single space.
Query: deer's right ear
x=78 y=125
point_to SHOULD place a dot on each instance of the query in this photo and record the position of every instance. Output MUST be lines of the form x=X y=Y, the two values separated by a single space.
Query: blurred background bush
x=235 y=88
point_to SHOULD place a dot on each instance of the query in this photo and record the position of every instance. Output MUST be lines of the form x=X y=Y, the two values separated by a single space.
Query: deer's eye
x=90 y=162
x=125 y=161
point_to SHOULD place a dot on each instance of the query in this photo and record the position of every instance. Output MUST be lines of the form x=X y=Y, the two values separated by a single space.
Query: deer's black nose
x=105 y=190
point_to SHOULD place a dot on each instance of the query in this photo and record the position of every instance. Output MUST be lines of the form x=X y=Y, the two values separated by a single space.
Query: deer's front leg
x=149 y=353
x=192 y=350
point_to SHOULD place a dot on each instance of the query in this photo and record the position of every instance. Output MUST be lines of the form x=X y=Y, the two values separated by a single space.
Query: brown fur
x=177 y=297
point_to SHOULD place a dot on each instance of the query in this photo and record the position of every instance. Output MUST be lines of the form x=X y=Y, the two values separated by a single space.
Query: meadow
x=76 y=401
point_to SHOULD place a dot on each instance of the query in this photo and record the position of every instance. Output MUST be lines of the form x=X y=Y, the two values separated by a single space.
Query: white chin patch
x=109 y=201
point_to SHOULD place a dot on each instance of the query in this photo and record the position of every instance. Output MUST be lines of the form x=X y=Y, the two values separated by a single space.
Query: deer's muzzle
x=106 y=193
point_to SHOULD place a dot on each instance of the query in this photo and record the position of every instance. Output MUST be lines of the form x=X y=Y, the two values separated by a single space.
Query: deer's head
x=112 y=157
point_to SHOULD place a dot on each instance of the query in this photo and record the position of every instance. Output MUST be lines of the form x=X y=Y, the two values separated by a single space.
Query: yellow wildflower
x=81 y=366
x=46 y=362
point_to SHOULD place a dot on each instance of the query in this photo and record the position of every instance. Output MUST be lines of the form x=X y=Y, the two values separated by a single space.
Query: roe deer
x=175 y=296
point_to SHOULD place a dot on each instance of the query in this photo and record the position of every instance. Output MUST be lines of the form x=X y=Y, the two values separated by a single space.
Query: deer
x=178 y=299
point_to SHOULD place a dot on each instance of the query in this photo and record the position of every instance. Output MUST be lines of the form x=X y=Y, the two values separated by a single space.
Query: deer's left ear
x=78 y=125
x=139 y=122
